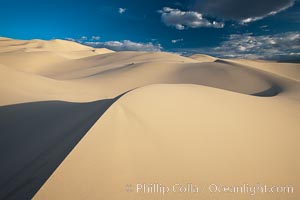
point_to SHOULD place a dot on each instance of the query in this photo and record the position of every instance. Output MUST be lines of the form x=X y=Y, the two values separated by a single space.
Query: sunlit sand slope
x=183 y=134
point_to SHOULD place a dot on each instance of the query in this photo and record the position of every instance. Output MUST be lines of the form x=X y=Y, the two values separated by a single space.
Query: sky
x=264 y=29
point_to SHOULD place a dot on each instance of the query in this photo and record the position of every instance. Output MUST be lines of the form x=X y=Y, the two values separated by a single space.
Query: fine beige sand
x=199 y=120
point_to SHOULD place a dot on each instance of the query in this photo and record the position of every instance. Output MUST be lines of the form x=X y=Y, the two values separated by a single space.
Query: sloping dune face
x=197 y=120
x=181 y=134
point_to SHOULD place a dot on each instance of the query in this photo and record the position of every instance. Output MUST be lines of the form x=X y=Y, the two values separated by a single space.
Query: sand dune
x=95 y=64
x=37 y=53
x=203 y=58
x=223 y=141
x=188 y=120
x=289 y=70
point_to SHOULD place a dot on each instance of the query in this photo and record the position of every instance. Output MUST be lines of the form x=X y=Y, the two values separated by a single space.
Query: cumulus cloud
x=283 y=46
x=71 y=39
x=83 y=39
x=182 y=20
x=126 y=45
x=241 y=10
x=95 y=38
x=122 y=10
x=176 y=41
x=278 y=46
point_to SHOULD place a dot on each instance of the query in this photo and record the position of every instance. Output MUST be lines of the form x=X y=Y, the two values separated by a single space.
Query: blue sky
x=226 y=28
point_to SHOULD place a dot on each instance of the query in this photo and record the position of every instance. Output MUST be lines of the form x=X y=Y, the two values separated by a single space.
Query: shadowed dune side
x=35 y=139
x=288 y=61
x=270 y=92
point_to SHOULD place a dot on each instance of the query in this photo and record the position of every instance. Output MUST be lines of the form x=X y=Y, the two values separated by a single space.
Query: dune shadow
x=289 y=61
x=271 y=92
x=223 y=62
x=274 y=89
x=36 y=137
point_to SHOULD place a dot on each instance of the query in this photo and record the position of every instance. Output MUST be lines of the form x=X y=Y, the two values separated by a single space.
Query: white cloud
x=71 y=39
x=83 y=38
x=278 y=46
x=252 y=19
x=176 y=41
x=95 y=38
x=126 y=45
x=122 y=10
x=244 y=11
x=283 y=46
x=182 y=20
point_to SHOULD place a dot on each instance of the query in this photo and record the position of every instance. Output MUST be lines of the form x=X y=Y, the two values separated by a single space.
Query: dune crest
x=64 y=48
x=203 y=58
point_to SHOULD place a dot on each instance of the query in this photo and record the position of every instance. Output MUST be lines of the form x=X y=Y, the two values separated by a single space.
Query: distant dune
x=195 y=119
x=203 y=58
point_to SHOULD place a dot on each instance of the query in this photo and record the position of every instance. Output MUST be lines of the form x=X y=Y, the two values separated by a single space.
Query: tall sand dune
x=183 y=134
